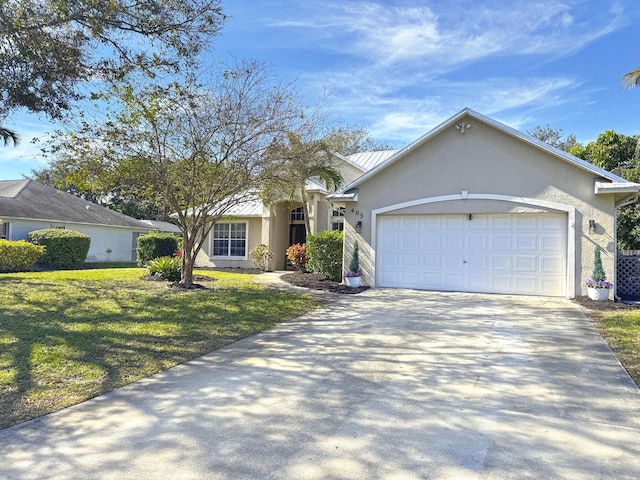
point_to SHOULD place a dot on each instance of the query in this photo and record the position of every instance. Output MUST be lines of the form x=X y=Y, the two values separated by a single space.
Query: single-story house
x=281 y=224
x=26 y=205
x=474 y=205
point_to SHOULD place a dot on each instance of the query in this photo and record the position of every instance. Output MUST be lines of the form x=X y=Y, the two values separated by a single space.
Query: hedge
x=65 y=249
x=156 y=245
x=325 y=254
x=19 y=256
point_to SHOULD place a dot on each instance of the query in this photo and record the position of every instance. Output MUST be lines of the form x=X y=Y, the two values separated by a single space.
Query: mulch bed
x=607 y=305
x=318 y=281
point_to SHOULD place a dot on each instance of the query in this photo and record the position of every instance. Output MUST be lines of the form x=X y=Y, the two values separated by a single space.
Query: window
x=337 y=219
x=297 y=214
x=4 y=230
x=230 y=240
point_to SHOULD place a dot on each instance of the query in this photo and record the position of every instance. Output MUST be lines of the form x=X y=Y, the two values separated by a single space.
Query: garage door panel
x=497 y=253
x=500 y=263
x=552 y=243
x=500 y=242
x=526 y=263
x=553 y=264
x=410 y=242
x=526 y=243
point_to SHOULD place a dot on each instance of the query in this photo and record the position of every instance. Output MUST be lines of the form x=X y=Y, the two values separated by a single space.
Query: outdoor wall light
x=592 y=226
x=358 y=227
x=470 y=216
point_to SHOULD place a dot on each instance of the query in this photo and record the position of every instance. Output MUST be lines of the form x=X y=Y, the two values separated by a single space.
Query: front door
x=297 y=234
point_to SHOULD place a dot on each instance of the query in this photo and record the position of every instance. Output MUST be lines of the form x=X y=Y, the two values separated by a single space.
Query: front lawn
x=621 y=330
x=71 y=335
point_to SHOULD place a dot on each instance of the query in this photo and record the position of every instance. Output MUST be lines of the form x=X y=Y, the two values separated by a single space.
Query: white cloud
x=446 y=34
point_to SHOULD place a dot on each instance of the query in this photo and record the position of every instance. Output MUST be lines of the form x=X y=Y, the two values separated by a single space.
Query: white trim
x=615 y=187
x=571 y=224
x=228 y=257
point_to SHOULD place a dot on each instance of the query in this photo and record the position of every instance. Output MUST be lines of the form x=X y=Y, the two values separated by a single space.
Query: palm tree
x=9 y=136
x=631 y=79
x=306 y=161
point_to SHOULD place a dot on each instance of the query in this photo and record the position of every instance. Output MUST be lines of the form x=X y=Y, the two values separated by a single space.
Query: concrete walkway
x=388 y=384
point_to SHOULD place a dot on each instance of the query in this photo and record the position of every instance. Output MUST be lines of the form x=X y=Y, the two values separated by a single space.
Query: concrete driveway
x=389 y=384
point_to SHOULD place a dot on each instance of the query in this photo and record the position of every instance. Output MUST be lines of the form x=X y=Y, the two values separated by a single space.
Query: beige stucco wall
x=254 y=237
x=485 y=160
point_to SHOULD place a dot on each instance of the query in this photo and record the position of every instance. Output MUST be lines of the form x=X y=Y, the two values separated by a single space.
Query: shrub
x=261 y=256
x=165 y=267
x=19 y=256
x=65 y=249
x=297 y=255
x=155 y=245
x=325 y=254
x=354 y=265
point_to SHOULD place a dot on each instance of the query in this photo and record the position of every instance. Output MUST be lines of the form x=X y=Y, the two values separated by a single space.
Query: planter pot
x=598 y=294
x=352 y=281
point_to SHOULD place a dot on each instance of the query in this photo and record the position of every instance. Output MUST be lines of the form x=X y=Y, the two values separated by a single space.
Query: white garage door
x=520 y=254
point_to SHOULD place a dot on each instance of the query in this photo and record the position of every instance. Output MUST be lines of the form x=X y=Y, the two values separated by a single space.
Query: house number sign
x=357 y=213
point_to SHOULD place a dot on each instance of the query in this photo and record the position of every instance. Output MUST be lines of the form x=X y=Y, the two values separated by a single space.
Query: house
x=476 y=206
x=26 y=205
x=281 y=224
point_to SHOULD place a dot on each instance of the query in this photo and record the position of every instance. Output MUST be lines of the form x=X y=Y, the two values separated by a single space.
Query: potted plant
x=597 y=286
x=352 y=276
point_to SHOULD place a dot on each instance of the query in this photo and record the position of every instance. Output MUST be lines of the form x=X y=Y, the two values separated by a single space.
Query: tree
x=615 y=151
x=554 y=137
x=631 y=79
x=193 y=150
x=303 y=161
x=348 y=140
x=611 y=150
x=9 y=136
x=49 y=48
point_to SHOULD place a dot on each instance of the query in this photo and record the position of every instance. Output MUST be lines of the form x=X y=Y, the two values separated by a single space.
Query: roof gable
x=467 y=113
x=26 y=199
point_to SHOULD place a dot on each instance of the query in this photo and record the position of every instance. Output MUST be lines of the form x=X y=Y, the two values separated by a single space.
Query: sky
x=400 y=68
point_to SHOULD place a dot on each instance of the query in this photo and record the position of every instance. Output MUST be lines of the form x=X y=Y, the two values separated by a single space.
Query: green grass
x=621 y=330
x=67 y=336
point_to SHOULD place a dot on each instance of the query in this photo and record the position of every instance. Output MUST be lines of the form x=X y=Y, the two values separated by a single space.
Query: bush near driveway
x=325 y=254
x=66 y=336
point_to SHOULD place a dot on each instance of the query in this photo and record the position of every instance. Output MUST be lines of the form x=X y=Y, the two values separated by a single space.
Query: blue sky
x=399 y=68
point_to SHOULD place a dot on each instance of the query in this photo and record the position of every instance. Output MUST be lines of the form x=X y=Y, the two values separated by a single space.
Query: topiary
x=598 y=274
x=65 y=249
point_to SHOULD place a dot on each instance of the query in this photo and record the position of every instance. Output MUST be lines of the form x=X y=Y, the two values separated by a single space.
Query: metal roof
x=26 y=199
x=368 y=160
x=250 y=208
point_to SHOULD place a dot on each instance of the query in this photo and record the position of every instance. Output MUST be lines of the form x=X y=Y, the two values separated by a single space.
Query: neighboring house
x=280 y=224
x=163 y=227
x=474 y=205
x=26 y=205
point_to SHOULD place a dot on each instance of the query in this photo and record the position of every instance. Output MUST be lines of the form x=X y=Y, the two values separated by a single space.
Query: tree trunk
x=188 y=261
x=305 y=210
